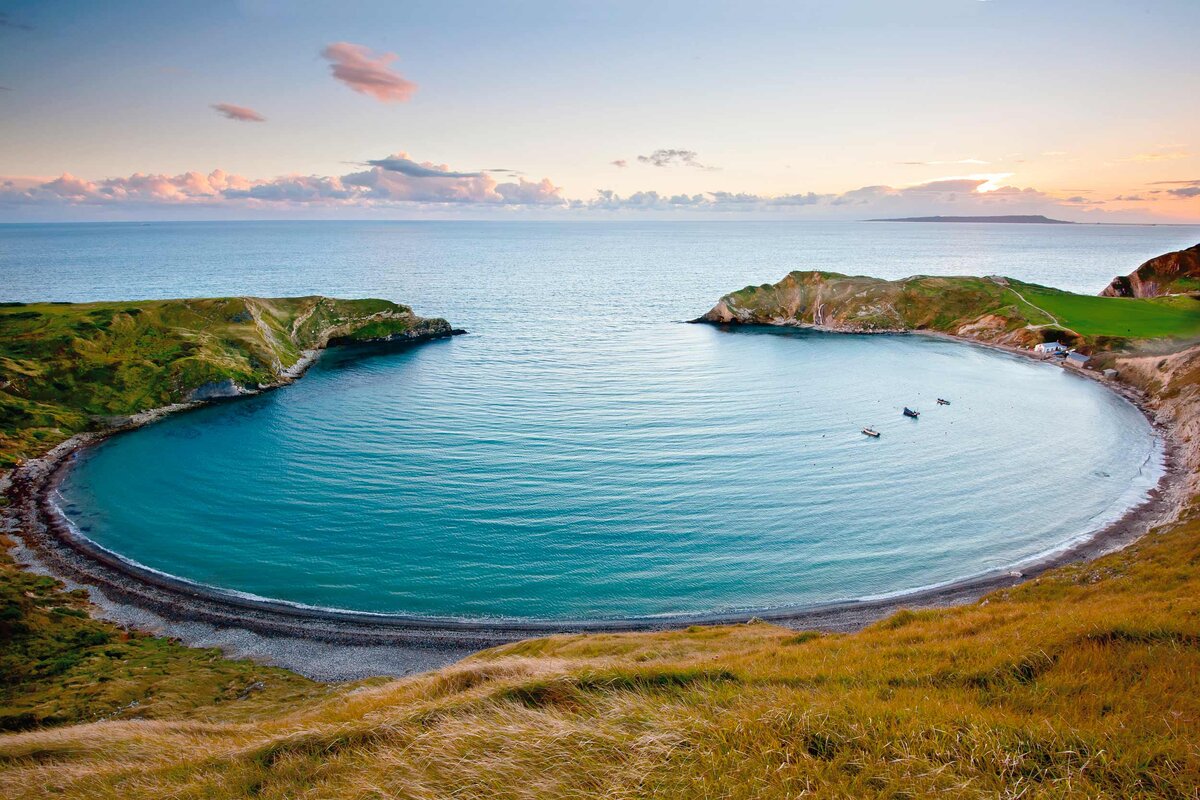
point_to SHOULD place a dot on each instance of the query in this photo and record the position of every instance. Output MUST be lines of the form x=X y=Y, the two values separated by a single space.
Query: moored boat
x=942 y=402
x=869 y=431
x=908 y=412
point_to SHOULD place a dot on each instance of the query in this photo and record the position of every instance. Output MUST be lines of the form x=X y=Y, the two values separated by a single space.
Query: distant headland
x=1036 y=219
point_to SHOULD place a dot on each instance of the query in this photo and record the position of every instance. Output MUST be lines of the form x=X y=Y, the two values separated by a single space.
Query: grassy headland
x=1082 y=682
x=67 y=367
x=999 y=310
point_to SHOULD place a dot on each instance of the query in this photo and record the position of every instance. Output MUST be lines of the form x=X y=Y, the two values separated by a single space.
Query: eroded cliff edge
x=1171 y=273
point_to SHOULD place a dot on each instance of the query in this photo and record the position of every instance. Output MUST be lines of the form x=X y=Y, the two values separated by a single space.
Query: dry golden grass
x=1082 y=683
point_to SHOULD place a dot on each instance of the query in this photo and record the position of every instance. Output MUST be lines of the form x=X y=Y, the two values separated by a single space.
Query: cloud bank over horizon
x=398 y=183
x=716 y=111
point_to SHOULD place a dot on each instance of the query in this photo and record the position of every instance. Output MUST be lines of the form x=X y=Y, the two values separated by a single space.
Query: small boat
x=942 y=402
x=874 y=434
x=908 y=412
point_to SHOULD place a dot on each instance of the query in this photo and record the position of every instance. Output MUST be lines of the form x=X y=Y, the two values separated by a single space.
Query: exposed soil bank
x=336 y=645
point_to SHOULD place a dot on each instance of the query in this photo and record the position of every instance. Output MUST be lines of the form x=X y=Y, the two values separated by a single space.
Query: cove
x=672 y=469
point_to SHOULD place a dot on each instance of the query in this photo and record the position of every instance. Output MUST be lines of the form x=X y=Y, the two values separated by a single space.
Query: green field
x=1125 y=317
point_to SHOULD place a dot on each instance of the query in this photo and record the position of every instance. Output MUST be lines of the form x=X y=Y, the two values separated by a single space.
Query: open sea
x=582 y=453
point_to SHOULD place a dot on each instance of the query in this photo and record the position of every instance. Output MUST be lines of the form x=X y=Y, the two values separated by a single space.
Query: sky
x=1085 y=110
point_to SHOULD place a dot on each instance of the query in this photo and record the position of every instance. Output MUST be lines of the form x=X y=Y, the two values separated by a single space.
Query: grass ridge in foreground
x=1081 y=683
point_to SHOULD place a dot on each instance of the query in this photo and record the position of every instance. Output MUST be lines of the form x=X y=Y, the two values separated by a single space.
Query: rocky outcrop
x=1171 y=273
x=214 y=390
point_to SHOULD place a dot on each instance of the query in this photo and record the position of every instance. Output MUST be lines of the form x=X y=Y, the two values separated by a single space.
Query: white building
x=1049 y=348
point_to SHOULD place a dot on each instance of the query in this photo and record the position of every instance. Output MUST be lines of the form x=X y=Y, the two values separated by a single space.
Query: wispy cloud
x=671 y=157
x=367 y=73
x=957 y=195
x=1173 y=155
x=1184 y=189
x=412 y=169
x=239 y=113
x=940 y=163
x=620 y=162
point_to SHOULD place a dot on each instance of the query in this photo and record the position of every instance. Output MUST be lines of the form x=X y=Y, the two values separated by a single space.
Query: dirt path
x=1031 y=304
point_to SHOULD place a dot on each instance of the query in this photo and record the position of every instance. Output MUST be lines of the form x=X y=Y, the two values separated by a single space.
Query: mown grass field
x=1124 y=317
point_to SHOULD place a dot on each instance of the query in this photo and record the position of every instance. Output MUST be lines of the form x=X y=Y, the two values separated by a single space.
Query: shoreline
x=334 y=644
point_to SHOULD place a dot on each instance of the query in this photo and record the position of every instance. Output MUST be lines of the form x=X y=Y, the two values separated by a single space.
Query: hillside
x=1170 y=273
x=69 y=368
x=1082 y=682
x=995 y=310
x=66 y=368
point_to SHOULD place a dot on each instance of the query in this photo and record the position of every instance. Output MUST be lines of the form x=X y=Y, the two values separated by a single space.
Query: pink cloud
x=239 y=113
x=357 y=67
x=68 y=187
x=531 y=193
x=398 y=180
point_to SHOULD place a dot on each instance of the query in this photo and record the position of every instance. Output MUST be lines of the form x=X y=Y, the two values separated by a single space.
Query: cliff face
x=1171 y=273
x=65 y=368
x=988 y=309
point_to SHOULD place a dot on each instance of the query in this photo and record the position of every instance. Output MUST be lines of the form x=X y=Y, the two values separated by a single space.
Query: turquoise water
x=581 y=453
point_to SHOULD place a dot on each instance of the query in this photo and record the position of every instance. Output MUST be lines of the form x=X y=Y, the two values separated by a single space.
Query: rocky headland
x=1171 y=273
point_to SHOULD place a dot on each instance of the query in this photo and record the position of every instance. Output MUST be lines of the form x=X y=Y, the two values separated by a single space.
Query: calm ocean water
x=581 y=452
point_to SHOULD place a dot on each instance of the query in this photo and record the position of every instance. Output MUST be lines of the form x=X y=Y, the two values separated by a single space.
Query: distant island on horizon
x=1037 y=219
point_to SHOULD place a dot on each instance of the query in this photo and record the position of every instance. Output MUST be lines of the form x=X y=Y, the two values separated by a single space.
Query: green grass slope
x=1125 y=317
x=68 y=368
